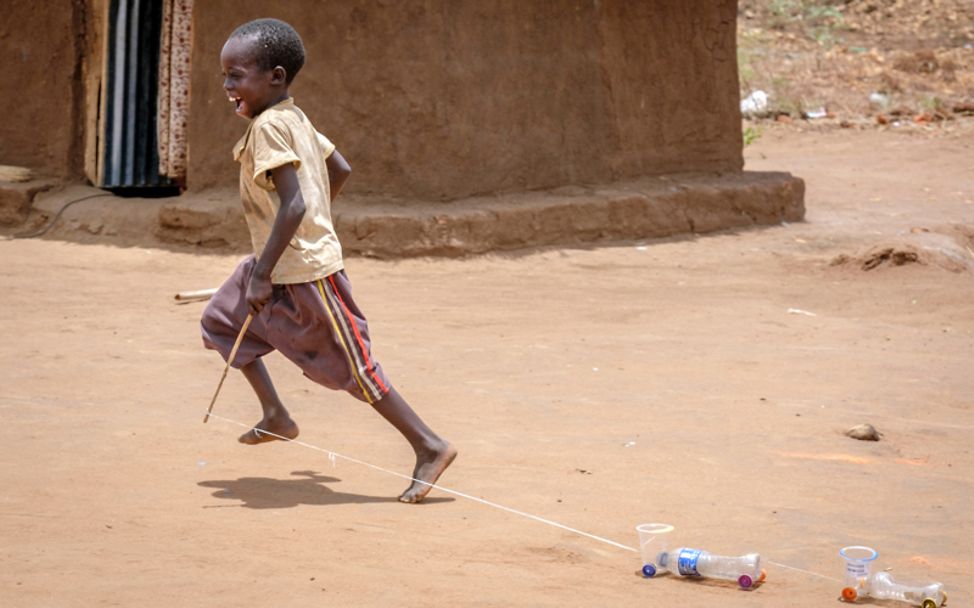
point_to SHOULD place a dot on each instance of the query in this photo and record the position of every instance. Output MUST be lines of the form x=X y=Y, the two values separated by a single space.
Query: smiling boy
x=295 y=285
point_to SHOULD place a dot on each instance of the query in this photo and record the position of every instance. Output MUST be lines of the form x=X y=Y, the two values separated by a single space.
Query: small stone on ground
x=863 y=432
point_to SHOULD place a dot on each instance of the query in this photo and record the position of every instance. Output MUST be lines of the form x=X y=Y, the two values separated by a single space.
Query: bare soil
x=701 y=381
x=893 y=64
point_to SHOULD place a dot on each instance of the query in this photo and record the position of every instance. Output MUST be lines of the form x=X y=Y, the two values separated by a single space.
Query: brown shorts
x=316 y=325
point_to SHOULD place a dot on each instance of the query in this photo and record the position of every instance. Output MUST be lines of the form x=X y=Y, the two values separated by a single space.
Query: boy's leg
x=220 y=324
x=433 y=454
x=276 y=418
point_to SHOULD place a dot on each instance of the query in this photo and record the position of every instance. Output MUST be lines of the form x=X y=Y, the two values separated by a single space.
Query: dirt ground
x=703 y=381
x=857 y=63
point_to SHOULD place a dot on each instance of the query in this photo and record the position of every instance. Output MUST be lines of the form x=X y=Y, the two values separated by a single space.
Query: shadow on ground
x=307 y=489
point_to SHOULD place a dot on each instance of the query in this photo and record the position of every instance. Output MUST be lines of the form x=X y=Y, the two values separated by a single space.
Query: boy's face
x=250 y=89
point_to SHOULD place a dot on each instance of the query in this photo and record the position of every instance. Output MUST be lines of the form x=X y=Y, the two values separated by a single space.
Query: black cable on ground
x=42 y=231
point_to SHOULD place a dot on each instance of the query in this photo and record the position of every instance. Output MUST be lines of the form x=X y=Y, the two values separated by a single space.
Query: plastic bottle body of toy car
x=883 y=587
x=745 y=570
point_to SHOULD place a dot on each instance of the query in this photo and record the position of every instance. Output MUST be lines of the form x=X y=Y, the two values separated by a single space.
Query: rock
x=863 y=432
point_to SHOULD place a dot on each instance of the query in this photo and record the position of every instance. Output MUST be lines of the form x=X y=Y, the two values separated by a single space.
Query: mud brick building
x=431 y=100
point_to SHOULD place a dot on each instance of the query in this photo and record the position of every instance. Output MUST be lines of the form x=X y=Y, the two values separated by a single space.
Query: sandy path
x=601 y=388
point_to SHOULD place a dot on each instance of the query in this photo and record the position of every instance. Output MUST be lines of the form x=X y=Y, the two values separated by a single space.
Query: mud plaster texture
x=17 y=197
x=628 y=210
x=39 y=86
x=650 y=207
x=446 y=100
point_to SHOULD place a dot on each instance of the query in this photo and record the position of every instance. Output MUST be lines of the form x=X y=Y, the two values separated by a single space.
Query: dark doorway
x=131 y=155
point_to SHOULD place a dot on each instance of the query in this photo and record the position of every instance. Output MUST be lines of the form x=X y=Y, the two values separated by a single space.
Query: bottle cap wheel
x=849 y=594
x=649 y=570
x=764 y=575
x=745 y=581
x=928 y=603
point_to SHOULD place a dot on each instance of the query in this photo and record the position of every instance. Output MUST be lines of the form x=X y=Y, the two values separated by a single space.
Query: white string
x=332 y=455
x=828 y=578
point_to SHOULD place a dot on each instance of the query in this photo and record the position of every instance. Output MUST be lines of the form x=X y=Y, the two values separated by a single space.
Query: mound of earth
x=949 y=247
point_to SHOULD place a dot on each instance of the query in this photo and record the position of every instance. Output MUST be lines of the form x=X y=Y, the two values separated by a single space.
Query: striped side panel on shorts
x=361 y=365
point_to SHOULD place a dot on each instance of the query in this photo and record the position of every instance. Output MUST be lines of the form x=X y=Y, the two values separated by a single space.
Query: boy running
x=295 y=285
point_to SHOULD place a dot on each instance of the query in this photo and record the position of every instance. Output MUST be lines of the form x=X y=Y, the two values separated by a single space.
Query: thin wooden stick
x=233 y=355
x=184 y=297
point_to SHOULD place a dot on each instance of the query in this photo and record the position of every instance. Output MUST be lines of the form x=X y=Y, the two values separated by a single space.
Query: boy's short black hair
x=275 y=44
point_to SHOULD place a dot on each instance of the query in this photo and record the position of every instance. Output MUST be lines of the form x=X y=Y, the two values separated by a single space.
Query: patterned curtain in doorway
x=174 y=73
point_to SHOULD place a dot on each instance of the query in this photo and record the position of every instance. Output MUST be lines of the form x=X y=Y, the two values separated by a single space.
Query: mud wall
x=442 y=99
x=40 y=87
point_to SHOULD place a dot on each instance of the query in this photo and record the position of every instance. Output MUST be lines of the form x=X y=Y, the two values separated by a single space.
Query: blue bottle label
x=687 y=562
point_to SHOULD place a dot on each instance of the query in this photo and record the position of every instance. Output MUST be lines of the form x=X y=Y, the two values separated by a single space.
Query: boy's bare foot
x=282 y=425
x=430 y=464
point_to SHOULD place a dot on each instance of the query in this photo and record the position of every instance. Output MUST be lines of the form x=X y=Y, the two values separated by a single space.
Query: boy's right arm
x=338 y=172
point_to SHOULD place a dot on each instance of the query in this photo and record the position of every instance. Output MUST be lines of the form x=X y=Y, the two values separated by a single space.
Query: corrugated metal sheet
x=131 y=153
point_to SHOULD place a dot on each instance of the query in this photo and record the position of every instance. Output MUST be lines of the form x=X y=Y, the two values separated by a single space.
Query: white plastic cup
x=652 y=543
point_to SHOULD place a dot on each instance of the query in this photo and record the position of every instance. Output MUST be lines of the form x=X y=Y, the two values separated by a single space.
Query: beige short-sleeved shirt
x=279 y=135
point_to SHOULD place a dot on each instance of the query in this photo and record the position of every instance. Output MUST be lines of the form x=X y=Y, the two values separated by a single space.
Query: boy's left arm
x=335 y=163
x=338 y=172
x=286 y=224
